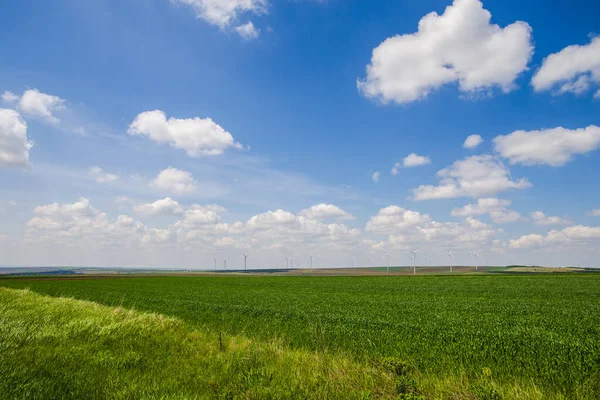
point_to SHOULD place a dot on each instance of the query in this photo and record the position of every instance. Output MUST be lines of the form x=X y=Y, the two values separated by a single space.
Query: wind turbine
x=414 y=257
x=476 y=259
x=225 y=264
x=245 y=259
x=311 y=261
x=286 y=262
x=387 y=257
x=215 y=261
x=451 y=259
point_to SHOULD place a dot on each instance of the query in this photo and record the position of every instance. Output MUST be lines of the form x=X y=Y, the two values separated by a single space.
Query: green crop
x=534 y=334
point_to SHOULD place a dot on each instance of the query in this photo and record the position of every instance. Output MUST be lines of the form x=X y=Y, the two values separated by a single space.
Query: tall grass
x=59 y=348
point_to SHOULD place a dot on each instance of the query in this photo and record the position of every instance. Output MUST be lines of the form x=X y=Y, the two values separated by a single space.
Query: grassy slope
x=540 y=335
x=54 y=348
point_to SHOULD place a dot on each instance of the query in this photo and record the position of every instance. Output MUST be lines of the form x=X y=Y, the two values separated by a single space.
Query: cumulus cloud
x=396 y=169
x=595 y=213
x=573 y=235
x=202 y=215
x=473 y=141
x=198 y=137
x=166 y=206
x=326 y=211
x=375 y=176
x=283 y=228
x=406 y=228
x=14 y=143
x=574 y=69
x=527 y=242
x=102 y=177
x=34 y=103
x=414 y=160
x=554 y=147
x=539 y=218
x=175 y=180
x=473 y=176
x=483 y=206
x=223 y=13
x=10 y=97
x=247 y=31
x=460 y=46
x=80 y=222
x=497 y=209
x=505 y=216
x=395 y=218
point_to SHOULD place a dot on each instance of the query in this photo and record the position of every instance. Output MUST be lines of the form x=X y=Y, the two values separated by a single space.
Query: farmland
x=463 y=336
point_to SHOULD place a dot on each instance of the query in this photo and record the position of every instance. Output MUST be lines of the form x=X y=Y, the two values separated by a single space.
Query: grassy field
x=69 y=348
x=469 y=336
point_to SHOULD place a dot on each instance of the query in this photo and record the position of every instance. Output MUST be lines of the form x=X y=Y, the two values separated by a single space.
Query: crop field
x=465 y=336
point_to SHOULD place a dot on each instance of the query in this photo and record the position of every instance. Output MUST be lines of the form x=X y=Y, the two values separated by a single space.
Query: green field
x=464 y=336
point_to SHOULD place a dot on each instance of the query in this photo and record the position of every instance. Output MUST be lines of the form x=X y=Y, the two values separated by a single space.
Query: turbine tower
x=286 y=262
x=310 y=258
x=387 y=257
x=414 y=257
x=225 y=264
x=215 y=261
x=245 y=261
x=451 y=259
x=476 y=256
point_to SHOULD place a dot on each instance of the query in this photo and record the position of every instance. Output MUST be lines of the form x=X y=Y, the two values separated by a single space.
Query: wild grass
x=59 y=348
x=535 y=336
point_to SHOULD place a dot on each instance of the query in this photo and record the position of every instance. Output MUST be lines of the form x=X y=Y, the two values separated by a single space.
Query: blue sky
x=289 y=92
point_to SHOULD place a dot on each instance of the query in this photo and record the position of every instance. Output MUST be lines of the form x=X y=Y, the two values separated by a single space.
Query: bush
x=396 y=366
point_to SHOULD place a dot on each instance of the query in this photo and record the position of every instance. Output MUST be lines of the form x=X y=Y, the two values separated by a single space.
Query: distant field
x=466 y=336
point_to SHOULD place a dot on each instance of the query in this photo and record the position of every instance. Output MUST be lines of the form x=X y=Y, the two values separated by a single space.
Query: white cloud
x=198 y=137
x=33 y=103
x=414 y=160
x=460 y=46
x=166 y=206
x=505 y=216
x=527 y=242
x=595 y=213
x=553 y=147
x=247 y=31
x=483 y=206
x=10 y=97
x=574 y=69
x=406 y=229
x=199 y=215
x=473 y=141
x=395 y=218
x=473 y=176
x=496 y=208
x=539 y=218
x=102 y=177
x=175 y=181
x=14 y=143
x=122 y=201
x=223 y=13
x=325 y=211
x=396 y=169
x=573 y=235
x=375 y=176
x=4 y=237
x=79 y=223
